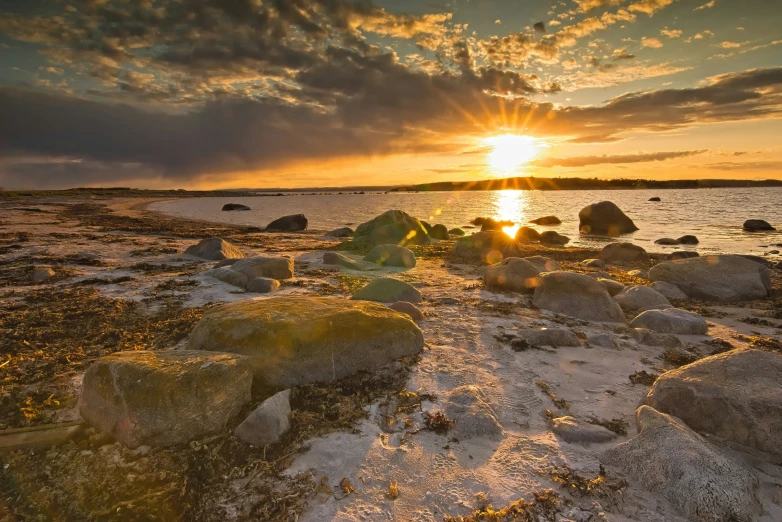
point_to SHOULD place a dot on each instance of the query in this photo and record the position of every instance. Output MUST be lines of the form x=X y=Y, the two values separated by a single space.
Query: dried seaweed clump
x=545 y=506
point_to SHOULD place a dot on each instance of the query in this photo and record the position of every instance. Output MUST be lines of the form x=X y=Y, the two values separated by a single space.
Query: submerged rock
x=669 y=458
x=388 y=290
x=671 y=320
x=576 y=295
x=757 y=225
x=299 y=340
x=292 y=223
x=571 y=429
x=666 y=241
x=637 y=297
x=164 y=398
x=268 y=422
x=391 y=255
x=735 y=395
x=604 y=218
x=472 y=415
x=235 y=206
x=214 y=249
x=723 y=278
x=488 y=247
x=546 y=220
x=514 y=274
x=623 y=252
x=275 y=267
x=392 y=227
x=655 y=198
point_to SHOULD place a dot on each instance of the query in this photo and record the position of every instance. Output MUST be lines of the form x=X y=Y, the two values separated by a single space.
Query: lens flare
x=510 y=151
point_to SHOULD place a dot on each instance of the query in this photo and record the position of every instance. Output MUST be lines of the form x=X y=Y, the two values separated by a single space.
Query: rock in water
x=527 y=234
x=235 y=206
x=576 y=295
x=298 y=340
x=666 y=241
x=409 y=309
x=268 y=422
x=669 y=458
x=636 y=297
x=439 y=232
x=340 y=232
x=392 y=227
x=514 y=274
x=292 y=223
x=553 y=238
x=688 y=240
x=166 y=397
x=391 y=255
x=735 y=395
x=489 y=247
x=456 y=232
x=275 y=267
x=388 y=290
x=544 y=264
x=472 y=414
x=262 y=285
x=623 y=252
x=605 y=218
x=655 y=198
x=723 y=278
x=672 y=321
x=546 y=220
x=335 y=258
x=571 y=429
x=214 y=249
x=757 y=225
x=682 y=254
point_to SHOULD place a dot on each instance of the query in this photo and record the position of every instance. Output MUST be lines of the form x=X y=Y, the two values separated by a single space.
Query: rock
x=488 y=247
x=549 y=337
x=671 y=320
x=388 y=290
x=756 y=259
x=472 y=415
x=734 y=395
x=527 y=234
x=613 y=287
x=550 y=237
x=426 y=226
x=757 y=225
x=605 y=218
x=225 y=262
x=546 y=220
x=268 y=422
x=41 y=273
x=391 y=255
x=340 y=232
x=488 y=224
x=601 y=339
x=667 y=241
x=292 y=223
x=571 y=429
x=298 y=340
x=669 y=458
x=595 y=263
x=276 y=267
x=262 y=285
x=623 y=252
x=164 y=398
x=544 y=264
x=778 y=266
x=688 y=240
x=636 y=297
x=227 y=274
x=214 y=249
x=456 y=232
x=650 y=338
x=392 y=227
x=335 y=258
x=576 y=295
x=597 y=274
x=514 y=274
x=640 y=274
x=235 y=206
x=682 y=254
x=656 y=198
x=723 y=278
x=668 y=290
x=409 y=309
x=439 y=232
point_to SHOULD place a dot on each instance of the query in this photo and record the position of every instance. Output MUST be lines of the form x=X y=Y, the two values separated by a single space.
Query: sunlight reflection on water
x=511 y=205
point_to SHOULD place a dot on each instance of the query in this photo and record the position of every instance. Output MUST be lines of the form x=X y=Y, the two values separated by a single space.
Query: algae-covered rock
x=392 y=227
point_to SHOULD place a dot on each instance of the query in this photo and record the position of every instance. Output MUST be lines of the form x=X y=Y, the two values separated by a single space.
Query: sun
x=509 y=151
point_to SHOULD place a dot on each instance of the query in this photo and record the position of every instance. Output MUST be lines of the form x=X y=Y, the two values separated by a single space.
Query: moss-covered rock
x=392 y=227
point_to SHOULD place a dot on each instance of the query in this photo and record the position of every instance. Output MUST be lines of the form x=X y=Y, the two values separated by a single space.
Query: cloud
x=707 y=5
x=671 y=33
x=649 y=6
x=583 y=161
x=587 y=5
x=654 y=43
x=731 y=45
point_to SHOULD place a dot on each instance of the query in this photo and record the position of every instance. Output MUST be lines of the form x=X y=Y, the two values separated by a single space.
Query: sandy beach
x=360 y=448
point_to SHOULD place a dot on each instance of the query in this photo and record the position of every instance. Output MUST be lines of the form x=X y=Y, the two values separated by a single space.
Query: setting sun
x=509 y=151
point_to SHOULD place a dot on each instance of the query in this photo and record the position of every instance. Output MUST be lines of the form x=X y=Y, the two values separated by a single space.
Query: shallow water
x=714 y=215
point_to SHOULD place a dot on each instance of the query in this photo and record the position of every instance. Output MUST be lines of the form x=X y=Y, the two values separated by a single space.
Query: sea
x=715 y=216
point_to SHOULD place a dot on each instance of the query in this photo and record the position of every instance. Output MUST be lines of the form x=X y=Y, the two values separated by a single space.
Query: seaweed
x=643 y=377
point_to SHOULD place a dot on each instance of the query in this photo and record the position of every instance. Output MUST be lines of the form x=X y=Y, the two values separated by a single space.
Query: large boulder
x=299 y=340
x=275 y=267
x=514 y=274
x=757 y=225
x=268 y=422
x=576 y=295
x=391 y=255
x=735 y=395
x=392 y=227
x=623 y=252
x=164 y=398
x=636 y=297
x=235 y=206
x=605 y=218
x=669 y=458
x=472 y=415
x=672 y=321
x=489 y=247
x=292 y=223
x=546 y=220
x=722 y=278
x=214 y=249
x=388 y=290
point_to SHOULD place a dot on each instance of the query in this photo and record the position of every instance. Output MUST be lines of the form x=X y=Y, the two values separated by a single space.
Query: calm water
x=714 y=215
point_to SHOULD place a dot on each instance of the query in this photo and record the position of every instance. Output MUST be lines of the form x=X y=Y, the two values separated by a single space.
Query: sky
x=204 y=94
